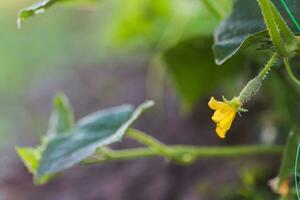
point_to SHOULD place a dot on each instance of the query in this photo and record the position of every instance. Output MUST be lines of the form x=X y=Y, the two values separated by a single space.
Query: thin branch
x=151 y=142
x=187 y=154
x=268 y=66
x=290 y=72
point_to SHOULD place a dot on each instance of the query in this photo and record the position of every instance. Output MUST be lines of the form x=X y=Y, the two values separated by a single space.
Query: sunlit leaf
x=31 y=158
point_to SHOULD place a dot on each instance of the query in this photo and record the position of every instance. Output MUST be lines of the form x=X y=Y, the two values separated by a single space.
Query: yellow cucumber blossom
x=225 y=112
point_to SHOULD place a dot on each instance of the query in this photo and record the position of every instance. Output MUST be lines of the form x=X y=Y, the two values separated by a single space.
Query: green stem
x=147 y=140
x=288 y=37
x=181 y=151
x=254 y=85
x=270 y=21
x=290 y=72
x=264 y=72
x=296 y=172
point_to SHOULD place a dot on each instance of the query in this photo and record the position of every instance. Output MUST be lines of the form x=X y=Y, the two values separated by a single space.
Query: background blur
x=113 y=52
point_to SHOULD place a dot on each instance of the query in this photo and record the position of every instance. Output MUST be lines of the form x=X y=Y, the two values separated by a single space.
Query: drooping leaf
x=289 y=156
x=38 y=8
x=96 y=130
x=193 y=71
x=62 y=118
x=245 y=27
x=35 y=9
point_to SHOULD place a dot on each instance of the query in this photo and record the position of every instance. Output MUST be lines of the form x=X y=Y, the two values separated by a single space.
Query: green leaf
x=245 y=27
x=61 y=121
x=38 y=8
x=67 y=144
x=31 y=157
x=289 y=155
x=94 y=131
x=35 y=9
x=193 y=71
x=62 y=118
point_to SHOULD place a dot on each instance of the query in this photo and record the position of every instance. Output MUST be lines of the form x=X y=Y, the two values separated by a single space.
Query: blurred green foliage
x=178 y=31
x=194 y=72
x=73 y=36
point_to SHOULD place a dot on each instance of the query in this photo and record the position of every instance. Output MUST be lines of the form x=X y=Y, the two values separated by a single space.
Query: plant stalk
x=264 y=72
x=254 y=85
x=147 y=140
x=290 y=72
x=186 y=152
x=272 y=26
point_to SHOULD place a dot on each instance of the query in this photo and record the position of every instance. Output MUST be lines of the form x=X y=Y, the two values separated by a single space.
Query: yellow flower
x=225 y=112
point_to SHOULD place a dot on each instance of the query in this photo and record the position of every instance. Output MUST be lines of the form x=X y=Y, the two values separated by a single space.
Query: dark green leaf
x=245 y=26
x=193 y=71
x=102 y=128
x=288 y=159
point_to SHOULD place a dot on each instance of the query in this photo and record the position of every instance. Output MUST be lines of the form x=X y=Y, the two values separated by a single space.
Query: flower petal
x=225 y=112
x=221 y=113
x=214 y=104
x=226 y=122
x=221 y=133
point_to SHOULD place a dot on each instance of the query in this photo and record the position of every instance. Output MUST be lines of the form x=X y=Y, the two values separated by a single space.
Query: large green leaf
x=288 y=159
x=245 y=27
x=193 y=71
x=67 y=144
x=96 y=130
